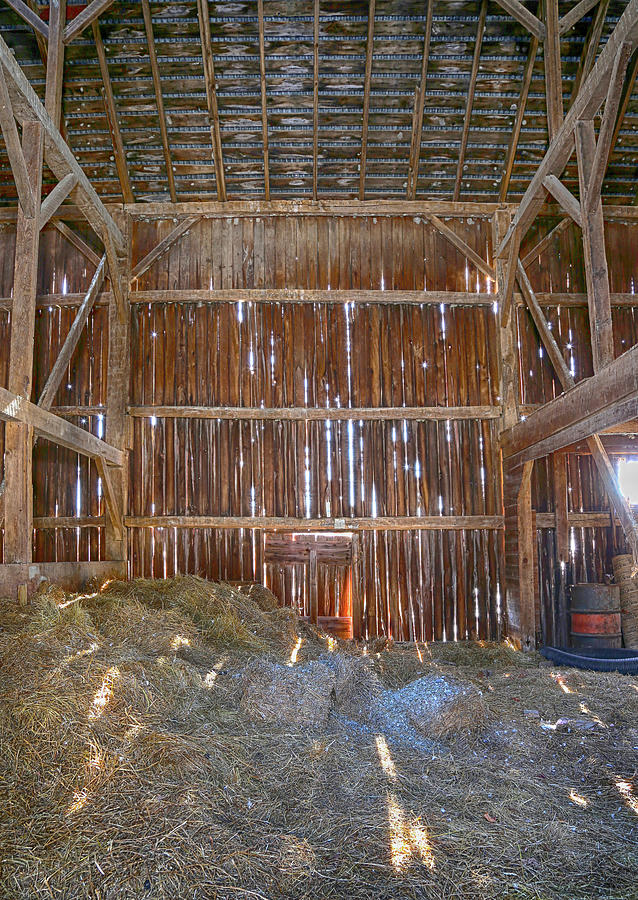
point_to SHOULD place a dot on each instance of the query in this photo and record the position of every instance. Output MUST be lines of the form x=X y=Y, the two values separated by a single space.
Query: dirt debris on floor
x=134 y=763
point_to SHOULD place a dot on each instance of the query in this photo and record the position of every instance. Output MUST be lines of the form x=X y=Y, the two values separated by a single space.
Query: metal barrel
x=595 y=616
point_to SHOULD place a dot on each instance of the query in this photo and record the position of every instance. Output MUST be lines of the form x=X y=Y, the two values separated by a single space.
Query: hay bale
x=285 y=695
x=356 y=685
x=264 y=598
x=438 y=706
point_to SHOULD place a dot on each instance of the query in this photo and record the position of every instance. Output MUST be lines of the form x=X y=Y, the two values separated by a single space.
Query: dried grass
x=129 y=769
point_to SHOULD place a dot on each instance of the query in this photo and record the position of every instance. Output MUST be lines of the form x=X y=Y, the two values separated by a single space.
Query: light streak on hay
x=180 y=641
x=79 y=800
x=626 y=791
x=560 y=681
x=578 y=799
x=209 y=680
x=295 y=652
x=407 y=841
x=104 y=693
x=385 y=758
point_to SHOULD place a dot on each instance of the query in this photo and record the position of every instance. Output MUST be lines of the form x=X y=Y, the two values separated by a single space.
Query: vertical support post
x=55 y=61
x=314 y=588
x=508 y=358
x=355 y=589
x=18 y=530
x=520 y=579
x=596 y=274
x=553 y=79
x=117 y=420
x=521 y=586
x=562 y=546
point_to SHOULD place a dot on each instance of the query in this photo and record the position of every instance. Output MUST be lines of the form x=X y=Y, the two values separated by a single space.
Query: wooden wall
x=414 y=584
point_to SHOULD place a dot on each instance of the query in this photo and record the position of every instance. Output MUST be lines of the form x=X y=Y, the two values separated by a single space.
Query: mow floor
x=129 y=767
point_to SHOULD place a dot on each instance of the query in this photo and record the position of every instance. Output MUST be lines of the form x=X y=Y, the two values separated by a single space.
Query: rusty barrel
x=595 y=616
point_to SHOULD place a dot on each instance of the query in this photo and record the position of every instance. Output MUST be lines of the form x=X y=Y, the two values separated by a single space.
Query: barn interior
x=318 y=421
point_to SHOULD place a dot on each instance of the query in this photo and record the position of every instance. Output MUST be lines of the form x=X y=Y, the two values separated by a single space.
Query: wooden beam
x=419 y=105
x=564 y=197
x=159 y=98
x=73 y=238
x=524 y=16
x=55 y=61
x=203 y=14
x=285 y=523
x=553 y=74
x=319 y=414
x=607 y=126
x=594 y=443
x=18 y=452
x=315 y=101
x=56 y=375
x=528 y=71
x=460 y=244
x=59 y=157
x=575 y=14
x=366 y=100
x=117 y=421
x=592 y=42
x=507 y=335
x=16 y=409
x=111 y=118
x=163 y=246
x=545 y=241
x=56 y=197
x=86 y=17
x=13 y=146
x=595 y=259
x=608 y=398
x=264 y=107
x=469 y=102
x=30 y=17
x=506 y=287
x=585 y=106
x=520 y=580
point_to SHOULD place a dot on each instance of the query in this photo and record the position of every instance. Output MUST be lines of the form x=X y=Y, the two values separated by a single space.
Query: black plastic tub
x=597 y=660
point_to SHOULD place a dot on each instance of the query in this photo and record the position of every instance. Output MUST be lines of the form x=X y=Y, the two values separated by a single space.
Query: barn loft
x=319 y=404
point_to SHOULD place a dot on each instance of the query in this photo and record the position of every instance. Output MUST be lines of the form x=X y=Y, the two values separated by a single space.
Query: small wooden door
x=314 y=551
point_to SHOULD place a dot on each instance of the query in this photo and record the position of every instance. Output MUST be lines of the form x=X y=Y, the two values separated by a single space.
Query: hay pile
x=132 y=764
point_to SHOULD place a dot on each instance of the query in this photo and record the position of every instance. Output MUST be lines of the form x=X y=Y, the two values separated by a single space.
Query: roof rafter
x=111 y=117
x=469 y=103
x=264 y=108
x=203 y=15
x=419 y=106
x=159 y=98
x=366 y=100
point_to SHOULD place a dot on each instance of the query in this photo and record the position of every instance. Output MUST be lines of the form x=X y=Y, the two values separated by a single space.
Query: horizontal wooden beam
x=241 y=208
x=71 y=576
x=287 y=523
x=593 y=519
x=608 y=398
x=53 y=428
x=309 y=414
x=450 y=298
